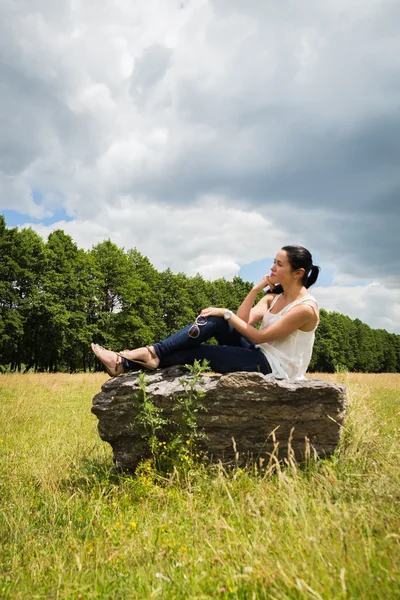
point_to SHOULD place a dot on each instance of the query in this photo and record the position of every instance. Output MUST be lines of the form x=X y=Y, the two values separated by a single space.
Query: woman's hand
x=263 y=283
x=211 y=311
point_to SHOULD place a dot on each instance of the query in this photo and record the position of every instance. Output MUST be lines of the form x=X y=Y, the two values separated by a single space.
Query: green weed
x=173 y=443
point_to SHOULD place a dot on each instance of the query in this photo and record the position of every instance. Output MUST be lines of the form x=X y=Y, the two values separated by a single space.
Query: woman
x=281 y=348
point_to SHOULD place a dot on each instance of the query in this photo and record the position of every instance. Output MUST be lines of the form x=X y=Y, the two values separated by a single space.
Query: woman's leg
x=222 y=359
x=216 y=327
x=230 y=359
x=229 y=336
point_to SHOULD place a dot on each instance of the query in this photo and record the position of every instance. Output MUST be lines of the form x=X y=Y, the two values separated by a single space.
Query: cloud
x=206 y=131
x=205 y=237
x=373 y=304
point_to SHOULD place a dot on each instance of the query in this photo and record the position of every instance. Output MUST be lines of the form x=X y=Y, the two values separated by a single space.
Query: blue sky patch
x=14 y=218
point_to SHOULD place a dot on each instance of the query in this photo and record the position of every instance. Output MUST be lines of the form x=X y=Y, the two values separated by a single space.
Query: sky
x=210 y=133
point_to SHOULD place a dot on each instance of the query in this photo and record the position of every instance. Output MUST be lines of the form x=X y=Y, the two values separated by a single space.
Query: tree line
x=56 y=298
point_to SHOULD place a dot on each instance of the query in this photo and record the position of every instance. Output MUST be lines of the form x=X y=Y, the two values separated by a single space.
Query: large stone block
x=245 y=406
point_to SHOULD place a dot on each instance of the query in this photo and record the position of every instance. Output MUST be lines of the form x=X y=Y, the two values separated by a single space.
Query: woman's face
x=281 y=271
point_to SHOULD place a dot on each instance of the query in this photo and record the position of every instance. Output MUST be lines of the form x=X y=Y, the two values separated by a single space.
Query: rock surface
x=244 y=406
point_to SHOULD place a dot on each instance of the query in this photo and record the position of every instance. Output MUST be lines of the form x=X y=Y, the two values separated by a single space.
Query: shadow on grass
x=90 y=474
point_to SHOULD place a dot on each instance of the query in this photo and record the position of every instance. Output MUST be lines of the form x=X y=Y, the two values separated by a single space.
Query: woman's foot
x=145 y=356
x=110 y=360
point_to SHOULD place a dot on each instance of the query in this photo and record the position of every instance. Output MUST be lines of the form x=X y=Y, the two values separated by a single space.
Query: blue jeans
x=234 y=353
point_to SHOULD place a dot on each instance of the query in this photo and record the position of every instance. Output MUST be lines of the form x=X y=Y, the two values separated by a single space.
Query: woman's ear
x=299 y=274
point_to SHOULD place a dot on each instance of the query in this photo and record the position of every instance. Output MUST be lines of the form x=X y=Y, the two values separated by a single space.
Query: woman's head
x=295 y=262
x=300 y=259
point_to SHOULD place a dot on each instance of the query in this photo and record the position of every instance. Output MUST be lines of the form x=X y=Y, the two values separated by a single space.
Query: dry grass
x=71 y=528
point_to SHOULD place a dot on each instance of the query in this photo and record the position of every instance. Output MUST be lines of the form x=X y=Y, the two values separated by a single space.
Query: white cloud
x=373 y=304
x=208 y=132
x=205 y=237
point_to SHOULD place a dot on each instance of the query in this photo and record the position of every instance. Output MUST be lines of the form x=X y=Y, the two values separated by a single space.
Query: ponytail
x=308 y=281
x=312 y=276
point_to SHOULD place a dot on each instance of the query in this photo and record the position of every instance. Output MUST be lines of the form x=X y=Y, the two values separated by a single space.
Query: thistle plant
x=150 y=417
x=173 y=443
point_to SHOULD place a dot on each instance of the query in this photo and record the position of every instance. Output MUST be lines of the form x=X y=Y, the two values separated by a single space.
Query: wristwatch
x=227 y=315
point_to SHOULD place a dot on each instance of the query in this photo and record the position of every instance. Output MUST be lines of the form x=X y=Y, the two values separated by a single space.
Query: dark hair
x=300 y=258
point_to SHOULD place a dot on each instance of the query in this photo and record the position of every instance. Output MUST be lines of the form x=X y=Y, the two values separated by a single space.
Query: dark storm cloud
x=321 y=137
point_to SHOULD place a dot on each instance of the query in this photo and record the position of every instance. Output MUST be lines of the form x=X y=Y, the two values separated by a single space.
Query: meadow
x=72 y=528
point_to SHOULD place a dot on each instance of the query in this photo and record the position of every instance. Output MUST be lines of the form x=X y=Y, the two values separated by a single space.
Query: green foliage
x=55 y=299
x=189 y=403
x=149 y=417
x=342 y=344
x=173 y=443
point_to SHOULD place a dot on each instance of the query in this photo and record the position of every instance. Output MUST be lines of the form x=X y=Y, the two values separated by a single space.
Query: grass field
x=71 y=528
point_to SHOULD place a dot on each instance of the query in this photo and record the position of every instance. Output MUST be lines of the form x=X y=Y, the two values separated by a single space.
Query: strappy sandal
x=111 y=372
x=143 y=363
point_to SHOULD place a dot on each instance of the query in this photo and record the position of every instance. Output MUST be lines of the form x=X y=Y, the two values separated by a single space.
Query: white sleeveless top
x=290 y=356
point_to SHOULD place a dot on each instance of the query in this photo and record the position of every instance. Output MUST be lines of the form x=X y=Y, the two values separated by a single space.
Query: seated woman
x=281 y=348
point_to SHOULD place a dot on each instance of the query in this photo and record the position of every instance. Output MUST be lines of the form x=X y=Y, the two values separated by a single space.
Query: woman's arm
x=299 y=317
x=246 y=306
x=259 y=310
x=246 y=312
